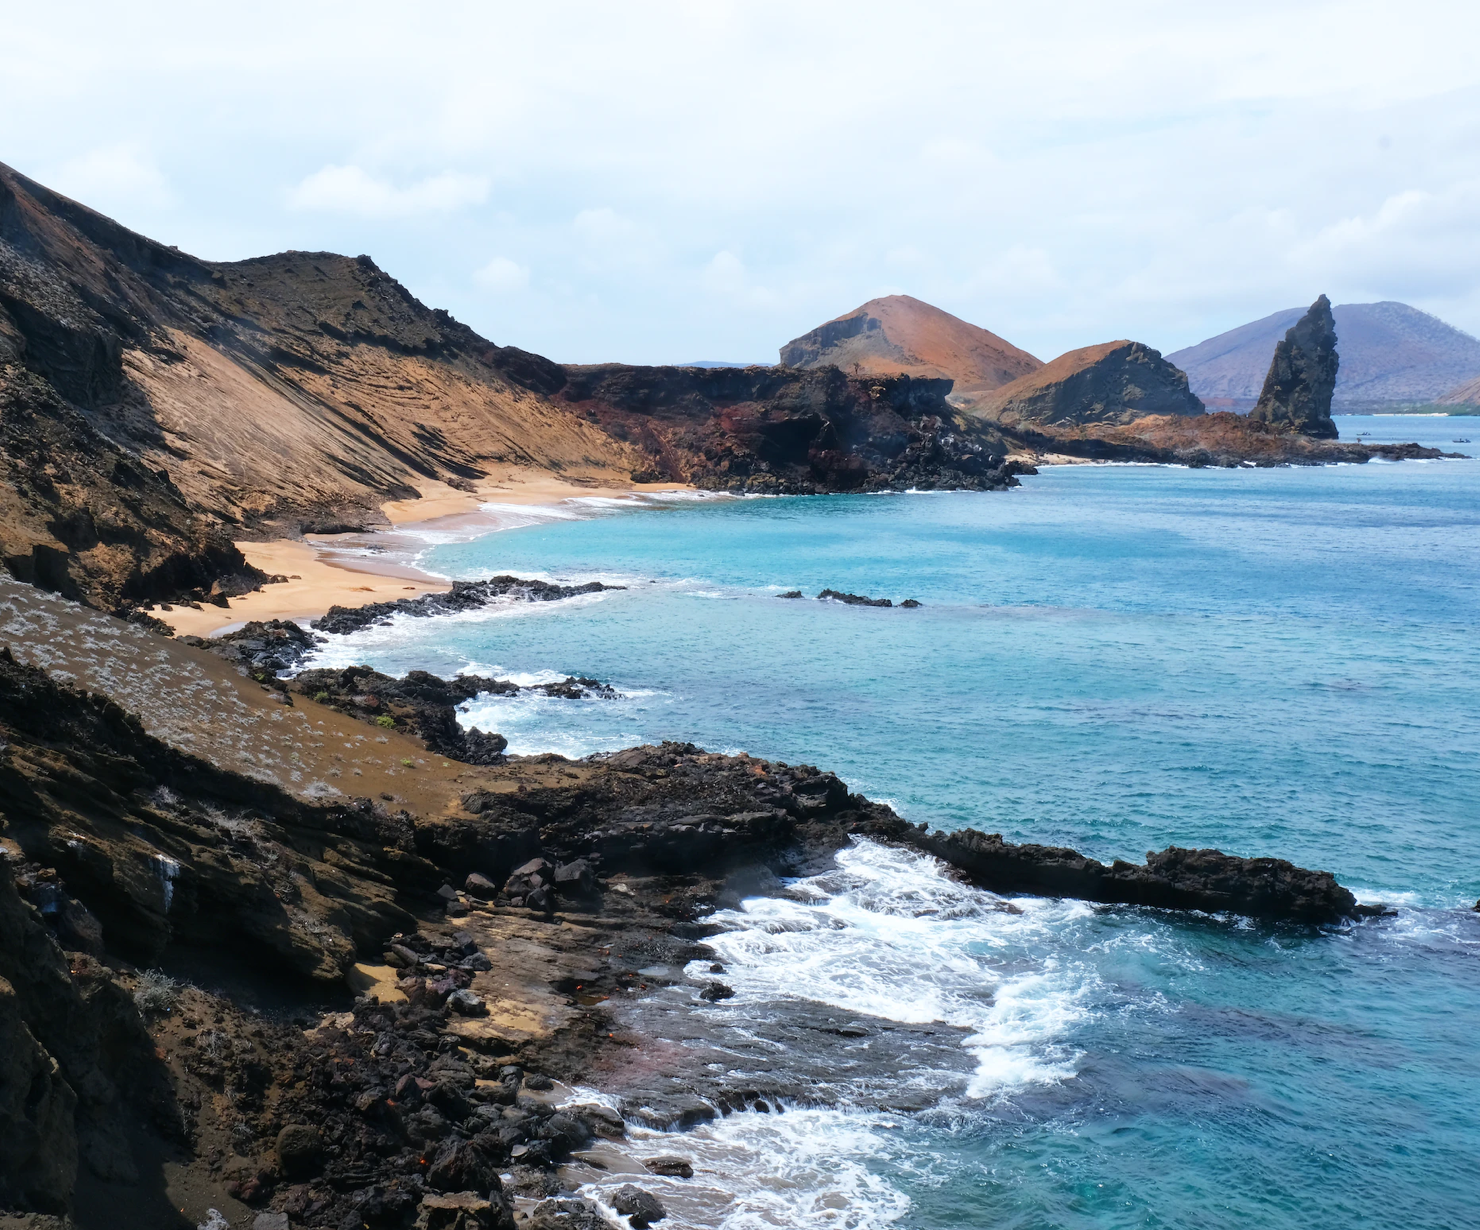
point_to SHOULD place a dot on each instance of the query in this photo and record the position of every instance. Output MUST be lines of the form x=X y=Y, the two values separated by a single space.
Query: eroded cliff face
x=790 y=430
x=1302 y=377
x=1112 y=383
x=155 y=407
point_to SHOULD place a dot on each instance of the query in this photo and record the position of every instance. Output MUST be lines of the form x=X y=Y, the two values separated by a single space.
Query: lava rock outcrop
x=1114 y=382
x=1302 y=377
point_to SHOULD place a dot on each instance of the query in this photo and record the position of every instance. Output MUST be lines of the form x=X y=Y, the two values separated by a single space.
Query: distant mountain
x=1390 y=352
x=708 y=363
x=901 y=334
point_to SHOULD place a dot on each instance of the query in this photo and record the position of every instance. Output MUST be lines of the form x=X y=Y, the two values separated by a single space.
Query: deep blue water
x=1274 y=662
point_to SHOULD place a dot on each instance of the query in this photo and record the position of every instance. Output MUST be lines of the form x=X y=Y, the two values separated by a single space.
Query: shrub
x=407 y=762
x=156 y=992
x=385 y=720
x=321 y=697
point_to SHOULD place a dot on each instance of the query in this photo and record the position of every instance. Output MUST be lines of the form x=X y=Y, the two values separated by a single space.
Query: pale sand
x=321 y=579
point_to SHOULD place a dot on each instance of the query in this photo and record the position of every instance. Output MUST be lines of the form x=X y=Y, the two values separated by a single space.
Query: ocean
x=1117 y=658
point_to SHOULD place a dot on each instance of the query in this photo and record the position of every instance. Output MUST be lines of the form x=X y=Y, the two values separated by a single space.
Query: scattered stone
x=538 y=1082
x=643 y=1208
x=299 y=1150
x=480 y=886
x=271 y=1221
x=465 y=1003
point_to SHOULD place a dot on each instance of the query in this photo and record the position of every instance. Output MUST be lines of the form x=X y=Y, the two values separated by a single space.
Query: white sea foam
x=888 y=935
x=762 y=1171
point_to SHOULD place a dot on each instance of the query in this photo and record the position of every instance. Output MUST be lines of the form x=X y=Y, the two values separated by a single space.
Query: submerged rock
x=1302 y=377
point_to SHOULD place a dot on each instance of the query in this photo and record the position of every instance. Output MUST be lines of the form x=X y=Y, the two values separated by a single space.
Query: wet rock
x=853 y=599
x=464 y=596
x=671 y=1166
x=1302 y=377
x=911 y=603
x=567 y=1214
x=717 y=991
x=642 y=1207
x=1177 y=879
x=300 y=1151
x=791 y=593
x=600 y=1120
x=538 y=1082
x=465 y=1003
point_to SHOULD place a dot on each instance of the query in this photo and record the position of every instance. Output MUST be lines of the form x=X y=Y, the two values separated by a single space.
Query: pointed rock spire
x=1302 y=377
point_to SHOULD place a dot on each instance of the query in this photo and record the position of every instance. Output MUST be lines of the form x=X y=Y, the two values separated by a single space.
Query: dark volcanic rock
x=263 y=647
x=420 y=702
x=1265 y=888
x=1302 y=376
x=464 y=596
x=1114 y=382
x=791 y=431
x=854 y=599
x=642 y=1208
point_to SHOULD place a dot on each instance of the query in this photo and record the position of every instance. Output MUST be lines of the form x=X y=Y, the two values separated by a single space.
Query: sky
x=662 y=182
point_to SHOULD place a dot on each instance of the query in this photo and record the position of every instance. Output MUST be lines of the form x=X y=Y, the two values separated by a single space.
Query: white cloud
x=112 y=176
x=353 y=190
x=502 y=274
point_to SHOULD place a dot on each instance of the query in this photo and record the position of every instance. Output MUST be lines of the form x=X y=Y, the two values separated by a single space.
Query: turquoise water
x=1277 y=662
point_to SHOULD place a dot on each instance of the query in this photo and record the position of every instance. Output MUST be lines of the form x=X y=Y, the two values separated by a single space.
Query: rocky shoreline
x=507 y=927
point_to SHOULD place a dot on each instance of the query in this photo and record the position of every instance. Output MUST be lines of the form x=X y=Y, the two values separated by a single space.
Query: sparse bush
x=321 y=697
x=407 y=762
x=156 y=992
x=385 y=720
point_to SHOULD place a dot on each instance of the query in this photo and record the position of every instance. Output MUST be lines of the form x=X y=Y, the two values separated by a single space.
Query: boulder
x=569 y=1214
x=671 y=1166
x=463 y=1211
x=1302 y=377
x=300 y=1152
x=639 y=1207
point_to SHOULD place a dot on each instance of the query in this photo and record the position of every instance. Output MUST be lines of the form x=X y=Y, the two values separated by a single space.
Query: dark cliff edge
x=792 y=431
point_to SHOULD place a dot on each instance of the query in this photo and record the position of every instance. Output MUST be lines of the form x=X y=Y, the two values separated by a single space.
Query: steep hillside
x=234 y=400
x=1114 y=382
x=1467 y=394
x=1390 y=352
x=898 y=334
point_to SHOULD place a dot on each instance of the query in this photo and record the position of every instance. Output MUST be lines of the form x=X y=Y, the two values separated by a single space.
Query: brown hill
x=899 y=334
x=1467 y=394
x=1114 y=382
x=156 y=406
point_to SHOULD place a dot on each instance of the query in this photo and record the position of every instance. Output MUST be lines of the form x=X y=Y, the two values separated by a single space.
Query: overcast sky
x=664 y=182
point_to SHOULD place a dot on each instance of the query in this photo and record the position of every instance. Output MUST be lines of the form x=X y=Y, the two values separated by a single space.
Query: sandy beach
x=323 y=573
